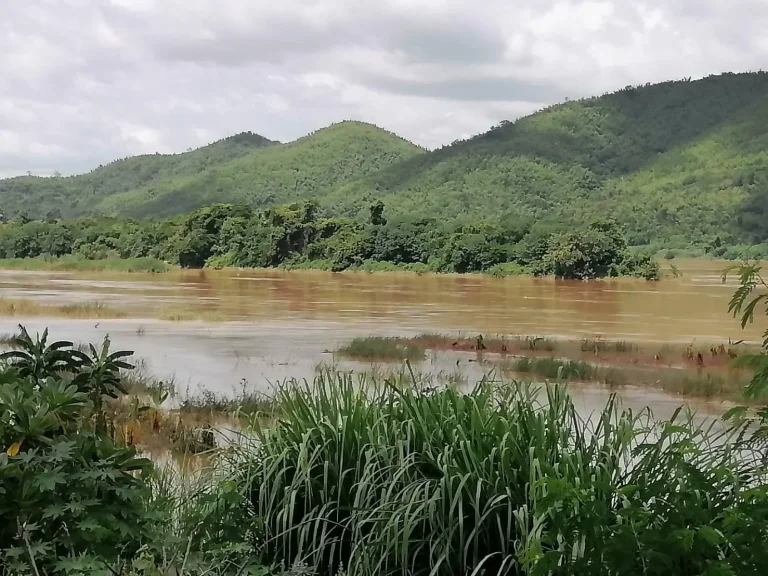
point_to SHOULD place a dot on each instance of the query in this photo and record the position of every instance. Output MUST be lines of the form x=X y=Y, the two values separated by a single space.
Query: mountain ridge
x=676 y=163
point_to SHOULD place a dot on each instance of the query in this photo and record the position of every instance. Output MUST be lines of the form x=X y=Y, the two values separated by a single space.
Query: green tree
x=593 y=252
x=377 y=214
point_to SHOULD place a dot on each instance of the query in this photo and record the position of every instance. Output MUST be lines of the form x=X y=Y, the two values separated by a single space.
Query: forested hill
x=77 y=195
x=677 y=164
x=246 y=168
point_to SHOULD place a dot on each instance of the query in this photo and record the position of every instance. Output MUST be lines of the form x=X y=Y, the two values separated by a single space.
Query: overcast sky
x=85 y=81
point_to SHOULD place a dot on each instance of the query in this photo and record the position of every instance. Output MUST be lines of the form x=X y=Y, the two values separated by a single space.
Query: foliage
x=751 y=294
x=300 y=234
x=67 y=488
x=594 y=252
x=75 y=501
x=394 y=480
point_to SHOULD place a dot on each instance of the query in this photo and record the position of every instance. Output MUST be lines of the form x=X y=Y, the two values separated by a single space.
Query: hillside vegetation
x=76 y=195
x=245 y=169
x=679 y=164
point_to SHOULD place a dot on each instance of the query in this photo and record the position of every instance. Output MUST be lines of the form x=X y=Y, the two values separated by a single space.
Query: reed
x=387 y=479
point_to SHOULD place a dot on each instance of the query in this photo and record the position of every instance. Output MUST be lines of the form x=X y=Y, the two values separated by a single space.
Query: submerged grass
x=601 y=346
x=394 y=480
x=97 y=310
x=191 y=316
x=556 y=369
x=694 y=384
x=378 y=348
x=73 y=263
x=245 y=404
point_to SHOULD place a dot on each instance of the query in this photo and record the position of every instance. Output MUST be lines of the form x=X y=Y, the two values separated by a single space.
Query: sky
x=83 y=82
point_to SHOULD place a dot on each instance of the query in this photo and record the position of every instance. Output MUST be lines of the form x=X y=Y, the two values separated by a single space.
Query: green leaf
x=53 y=511
x=47 y=481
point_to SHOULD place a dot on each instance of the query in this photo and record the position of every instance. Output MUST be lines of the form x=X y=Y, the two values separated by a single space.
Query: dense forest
x=301 y=235
x=678 y=165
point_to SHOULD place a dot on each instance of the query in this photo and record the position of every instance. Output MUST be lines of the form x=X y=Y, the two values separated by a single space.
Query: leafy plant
x=37 y=359
x=66 y=488
x=750 y=294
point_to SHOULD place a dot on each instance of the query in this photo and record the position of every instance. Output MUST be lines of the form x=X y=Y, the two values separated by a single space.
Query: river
x=270 y=325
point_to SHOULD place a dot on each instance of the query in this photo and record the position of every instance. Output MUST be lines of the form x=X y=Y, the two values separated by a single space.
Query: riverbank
x=77 y=264
x=667 y=268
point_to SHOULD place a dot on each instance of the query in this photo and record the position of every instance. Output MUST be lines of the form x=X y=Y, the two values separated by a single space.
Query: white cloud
x=86 y=81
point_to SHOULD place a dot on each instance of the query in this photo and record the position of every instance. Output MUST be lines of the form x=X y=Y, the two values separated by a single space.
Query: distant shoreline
x=156 y=266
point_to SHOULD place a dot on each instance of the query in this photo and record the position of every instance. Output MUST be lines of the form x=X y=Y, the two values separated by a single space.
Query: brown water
x=273 y=325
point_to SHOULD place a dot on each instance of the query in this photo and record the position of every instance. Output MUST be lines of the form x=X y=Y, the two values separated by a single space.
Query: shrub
x=67 y=489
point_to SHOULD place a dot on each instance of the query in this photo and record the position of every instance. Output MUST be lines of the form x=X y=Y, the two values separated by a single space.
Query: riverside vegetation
x=301 y=236
x=356 y=477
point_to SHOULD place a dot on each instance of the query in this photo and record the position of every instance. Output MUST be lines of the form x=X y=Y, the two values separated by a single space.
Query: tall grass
x=391 y=480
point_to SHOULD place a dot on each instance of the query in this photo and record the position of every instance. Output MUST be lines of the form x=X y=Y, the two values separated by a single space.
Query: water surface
x=273 y=324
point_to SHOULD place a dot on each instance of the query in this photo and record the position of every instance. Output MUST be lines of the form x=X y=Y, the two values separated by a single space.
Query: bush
x=67 y=488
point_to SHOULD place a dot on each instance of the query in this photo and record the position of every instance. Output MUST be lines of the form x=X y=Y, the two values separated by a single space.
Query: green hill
x=246 y=168
x=77 y=195
x=676 y=163
x=307 y=168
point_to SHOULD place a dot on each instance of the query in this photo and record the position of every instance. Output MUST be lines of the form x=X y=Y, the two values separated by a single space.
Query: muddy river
x=264 y=326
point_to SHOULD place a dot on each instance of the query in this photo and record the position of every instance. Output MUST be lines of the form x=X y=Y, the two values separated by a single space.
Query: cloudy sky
x=85 y=81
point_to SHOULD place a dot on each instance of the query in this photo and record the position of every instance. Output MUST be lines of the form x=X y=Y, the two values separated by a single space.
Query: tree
x=377 y=213
x=593 y=252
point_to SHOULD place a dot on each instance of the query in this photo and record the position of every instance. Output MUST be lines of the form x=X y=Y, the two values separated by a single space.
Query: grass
x=190 y=316
x=706 y=385
x=9 y=307
x=600 y=346
x=76 y=264
x=8 y=340
x=387 y=479
x=245 y=403
x=556 y=369
x=689 y=383
x=381 y=349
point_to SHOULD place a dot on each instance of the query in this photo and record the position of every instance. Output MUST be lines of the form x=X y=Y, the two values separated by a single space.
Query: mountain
x=679 y=163
x=246 y=168
x=310 y=167
x=77 y=195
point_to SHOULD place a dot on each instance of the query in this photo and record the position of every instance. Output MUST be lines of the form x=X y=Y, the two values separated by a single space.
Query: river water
x=272 y=325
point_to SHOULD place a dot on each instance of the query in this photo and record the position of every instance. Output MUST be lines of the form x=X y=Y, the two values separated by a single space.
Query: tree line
x=301 y=235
